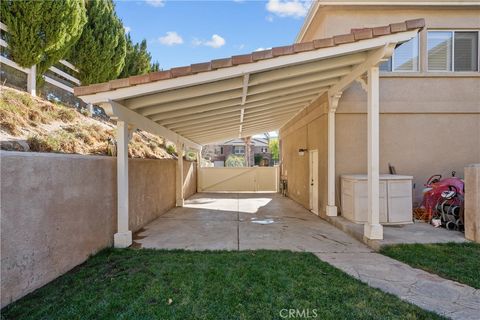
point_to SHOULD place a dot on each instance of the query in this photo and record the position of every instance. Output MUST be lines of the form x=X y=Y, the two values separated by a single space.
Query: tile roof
x=353 y=36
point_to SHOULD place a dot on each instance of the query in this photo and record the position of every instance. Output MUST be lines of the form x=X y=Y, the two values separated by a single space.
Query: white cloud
x=261 y=49
x=288 y=8
x=215 y=42
x=156 y=3
x=170 y=39
x=269 y=18
x=127 y=29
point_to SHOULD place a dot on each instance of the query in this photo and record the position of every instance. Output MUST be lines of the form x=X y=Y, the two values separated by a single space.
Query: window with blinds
x=404 y=58
x=452 y=50
x=466 y=51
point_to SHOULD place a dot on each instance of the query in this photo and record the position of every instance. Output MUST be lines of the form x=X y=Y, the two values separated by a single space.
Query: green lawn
x=456 y=261
x=137 y=284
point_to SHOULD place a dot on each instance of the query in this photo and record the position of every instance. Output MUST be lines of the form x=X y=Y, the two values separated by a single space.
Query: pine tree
x=137 y=59
x=42 y=32
x=99 y=54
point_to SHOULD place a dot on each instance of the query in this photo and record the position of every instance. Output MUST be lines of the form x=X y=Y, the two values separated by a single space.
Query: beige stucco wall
x=429 y=122
x=420 y=136
x=427 y=126
x=308 y=130
x=56 y=210
x=334 y=20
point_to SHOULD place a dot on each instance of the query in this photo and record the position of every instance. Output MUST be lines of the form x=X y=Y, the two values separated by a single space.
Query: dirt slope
x=32 y=124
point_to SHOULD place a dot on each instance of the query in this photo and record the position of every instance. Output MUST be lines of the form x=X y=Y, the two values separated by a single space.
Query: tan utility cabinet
x=395 y=198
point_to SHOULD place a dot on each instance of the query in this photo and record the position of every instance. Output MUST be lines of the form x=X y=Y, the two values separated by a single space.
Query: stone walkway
x=428 y=291
x=270 y=221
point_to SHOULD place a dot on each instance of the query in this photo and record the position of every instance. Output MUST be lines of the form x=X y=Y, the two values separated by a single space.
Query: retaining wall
x=57 y=210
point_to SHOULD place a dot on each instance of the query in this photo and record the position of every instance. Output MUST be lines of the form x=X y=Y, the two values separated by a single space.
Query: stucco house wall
x=429 y=122
x=57 y=210
x=307 y=130
x=334 y=20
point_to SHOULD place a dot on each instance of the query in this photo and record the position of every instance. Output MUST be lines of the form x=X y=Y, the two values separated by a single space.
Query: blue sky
x=184 y=32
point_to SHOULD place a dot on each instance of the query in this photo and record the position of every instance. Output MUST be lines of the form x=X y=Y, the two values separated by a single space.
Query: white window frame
x=235 y=149
x=264 y=149
x=411 y=71
x=453 y=49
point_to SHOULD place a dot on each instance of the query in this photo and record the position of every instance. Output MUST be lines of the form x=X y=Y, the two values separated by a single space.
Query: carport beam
x=373 y=229
x=123 y=237
x=179 y=182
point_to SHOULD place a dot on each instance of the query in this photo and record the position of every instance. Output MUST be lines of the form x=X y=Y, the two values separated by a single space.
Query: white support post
x=32 y=81
x=123 y=237
x=373 y=229
x=179 y=182
x=331 y=209
x=199 y=165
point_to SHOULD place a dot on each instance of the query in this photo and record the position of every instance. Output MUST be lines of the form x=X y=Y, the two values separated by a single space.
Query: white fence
x=32 y=72
x=238 y=179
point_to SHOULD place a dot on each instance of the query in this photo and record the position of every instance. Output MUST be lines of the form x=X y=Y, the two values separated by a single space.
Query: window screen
x=466 y=51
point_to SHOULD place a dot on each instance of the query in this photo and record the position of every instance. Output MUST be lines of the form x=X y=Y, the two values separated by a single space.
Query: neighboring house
x=256 y=151
x=429 y=99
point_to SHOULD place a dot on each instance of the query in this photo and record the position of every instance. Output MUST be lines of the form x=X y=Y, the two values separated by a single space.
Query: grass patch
x=159 y=284
x=455 y=261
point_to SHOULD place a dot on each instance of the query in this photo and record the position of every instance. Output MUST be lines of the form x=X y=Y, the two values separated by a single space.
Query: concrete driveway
x=241 y=221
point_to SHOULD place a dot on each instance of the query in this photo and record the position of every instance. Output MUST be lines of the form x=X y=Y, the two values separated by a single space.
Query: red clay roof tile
x=355 y=35
x=282 y=51
x=323 y=43
x=201 y=67
x=361 y=34
x=93 y=88
x=303 y=46
x=144 y=78
x=119 y=83
x=262 y=55
x=160 y=75
x=398 y=27
x=222 y=63
x=242 y=59
x=343 y=38
x=181 y=71
x=415 y=24
x=381 y=31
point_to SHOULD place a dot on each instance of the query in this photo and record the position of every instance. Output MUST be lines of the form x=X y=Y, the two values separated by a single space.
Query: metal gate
x=238 y=179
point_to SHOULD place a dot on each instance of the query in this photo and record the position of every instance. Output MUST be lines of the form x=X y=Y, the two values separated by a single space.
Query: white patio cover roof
x=245 y=95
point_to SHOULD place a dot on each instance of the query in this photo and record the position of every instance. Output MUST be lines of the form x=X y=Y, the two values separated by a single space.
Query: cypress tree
x=42 y=32
x=155 y=66
x=99 y=54
x=137 y=59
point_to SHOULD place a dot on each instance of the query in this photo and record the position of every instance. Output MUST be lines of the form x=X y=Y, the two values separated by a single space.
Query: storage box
x=395 y=198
